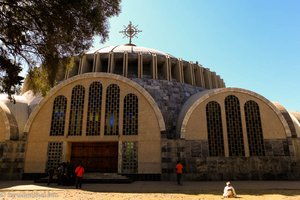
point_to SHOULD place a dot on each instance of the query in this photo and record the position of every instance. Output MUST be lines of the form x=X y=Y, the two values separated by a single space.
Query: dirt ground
x=272 y=190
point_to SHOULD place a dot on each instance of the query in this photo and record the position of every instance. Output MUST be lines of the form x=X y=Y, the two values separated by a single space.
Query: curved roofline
x=125 y=80
x=129 y=49
x=191 y=104
x=9 y=121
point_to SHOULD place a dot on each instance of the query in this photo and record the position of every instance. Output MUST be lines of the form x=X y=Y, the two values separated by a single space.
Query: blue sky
x=253 y=44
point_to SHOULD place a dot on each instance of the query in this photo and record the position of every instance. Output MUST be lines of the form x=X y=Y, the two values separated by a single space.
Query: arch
x=11 y=127
x=234 y=126
x=194 y=101
x=287 y=117
x=99 y=75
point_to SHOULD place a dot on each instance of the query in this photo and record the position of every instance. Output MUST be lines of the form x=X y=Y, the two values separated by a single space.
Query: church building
x=136 y=111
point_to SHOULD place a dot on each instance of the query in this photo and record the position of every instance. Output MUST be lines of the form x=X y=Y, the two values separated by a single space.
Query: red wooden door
x=96 y=156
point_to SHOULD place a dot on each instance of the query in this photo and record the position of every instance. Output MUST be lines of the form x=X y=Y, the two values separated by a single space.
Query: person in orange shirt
x=79 y=171
x=179 y=168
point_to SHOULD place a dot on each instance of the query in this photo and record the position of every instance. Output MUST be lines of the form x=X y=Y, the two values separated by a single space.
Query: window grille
x=54 y=155
x=254 y=129
x=112 y=110
x=234 y=126
x=214 y=128
x=129 y=157
x=93 y=121
x=58 y=116
x=76 y=112
x=130 y=115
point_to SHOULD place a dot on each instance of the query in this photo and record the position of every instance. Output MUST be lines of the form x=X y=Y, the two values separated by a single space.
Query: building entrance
x=96 y=156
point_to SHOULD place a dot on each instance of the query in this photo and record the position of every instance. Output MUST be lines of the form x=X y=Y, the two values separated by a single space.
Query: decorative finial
x=130 y=31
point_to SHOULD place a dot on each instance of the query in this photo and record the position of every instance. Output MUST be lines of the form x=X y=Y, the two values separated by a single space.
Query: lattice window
x=58 y=116
x=129 y=157
x=254 y=129
x=76 y=112
x=130 y=115
x=112 y=110
x=214 y=128
x=234 y=126
x=54 y=155
x=94 y=109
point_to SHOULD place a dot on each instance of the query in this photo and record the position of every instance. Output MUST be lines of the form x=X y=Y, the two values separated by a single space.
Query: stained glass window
x=254 y=129
x=234 y=126
x=112 y=110
x=214 y=128
x=130 y=115
x=76 y=112
x=58 y=116
x=94 y=109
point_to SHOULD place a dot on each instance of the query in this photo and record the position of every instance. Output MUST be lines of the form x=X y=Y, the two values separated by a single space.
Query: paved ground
x=150 y=190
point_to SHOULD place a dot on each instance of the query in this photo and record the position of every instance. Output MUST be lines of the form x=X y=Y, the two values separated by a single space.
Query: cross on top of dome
x=130 y=31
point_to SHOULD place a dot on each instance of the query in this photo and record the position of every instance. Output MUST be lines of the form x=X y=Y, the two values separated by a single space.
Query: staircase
x=96 y=178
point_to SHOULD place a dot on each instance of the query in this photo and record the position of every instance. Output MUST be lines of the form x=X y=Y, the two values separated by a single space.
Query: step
x=96 y=178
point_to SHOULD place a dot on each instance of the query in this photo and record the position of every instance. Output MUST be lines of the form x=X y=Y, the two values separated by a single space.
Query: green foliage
x=37 y=80
x=48 y=32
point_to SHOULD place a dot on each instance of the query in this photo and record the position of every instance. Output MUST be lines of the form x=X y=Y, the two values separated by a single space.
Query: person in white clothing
x=229 y=191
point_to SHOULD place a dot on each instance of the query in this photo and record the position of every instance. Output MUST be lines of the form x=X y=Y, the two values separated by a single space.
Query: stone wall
x=276 y=165
x=170 y=97
x=12 y=159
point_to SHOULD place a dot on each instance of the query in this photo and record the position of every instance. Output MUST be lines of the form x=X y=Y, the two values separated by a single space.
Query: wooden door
x=96 y=156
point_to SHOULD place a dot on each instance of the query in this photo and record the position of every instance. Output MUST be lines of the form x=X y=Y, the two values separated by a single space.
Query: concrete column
x=165 y=69
x=125 y=64
x=140 y=65
x=103 y=108
x=244 y=128
x=192 y=75
x=201 y=77
x=67 y=74
x=111 y=63
x=181 y=71
x=213 y=79
x=168 y=68
x=85 y=109
x=210 y=79
x=120 y=155
x=64 y=152
x=97 y=64
x=81 y=64
x=224 y=127
x=68 y=110
x=154 y=66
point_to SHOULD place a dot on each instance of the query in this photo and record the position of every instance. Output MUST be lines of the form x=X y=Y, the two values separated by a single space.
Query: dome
x=129 y=49
x=19 y=109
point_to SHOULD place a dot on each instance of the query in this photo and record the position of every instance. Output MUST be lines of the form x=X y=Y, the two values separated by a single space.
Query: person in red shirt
x=79 y=171
x=179 y=169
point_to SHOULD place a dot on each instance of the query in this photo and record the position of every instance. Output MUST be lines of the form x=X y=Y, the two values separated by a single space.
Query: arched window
x=58 y=116
x=234 y=126
x=112 y=110
x=130 y=115
x=76 y=112
x=254 y=129
x=94 y=109
x=214 y=129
